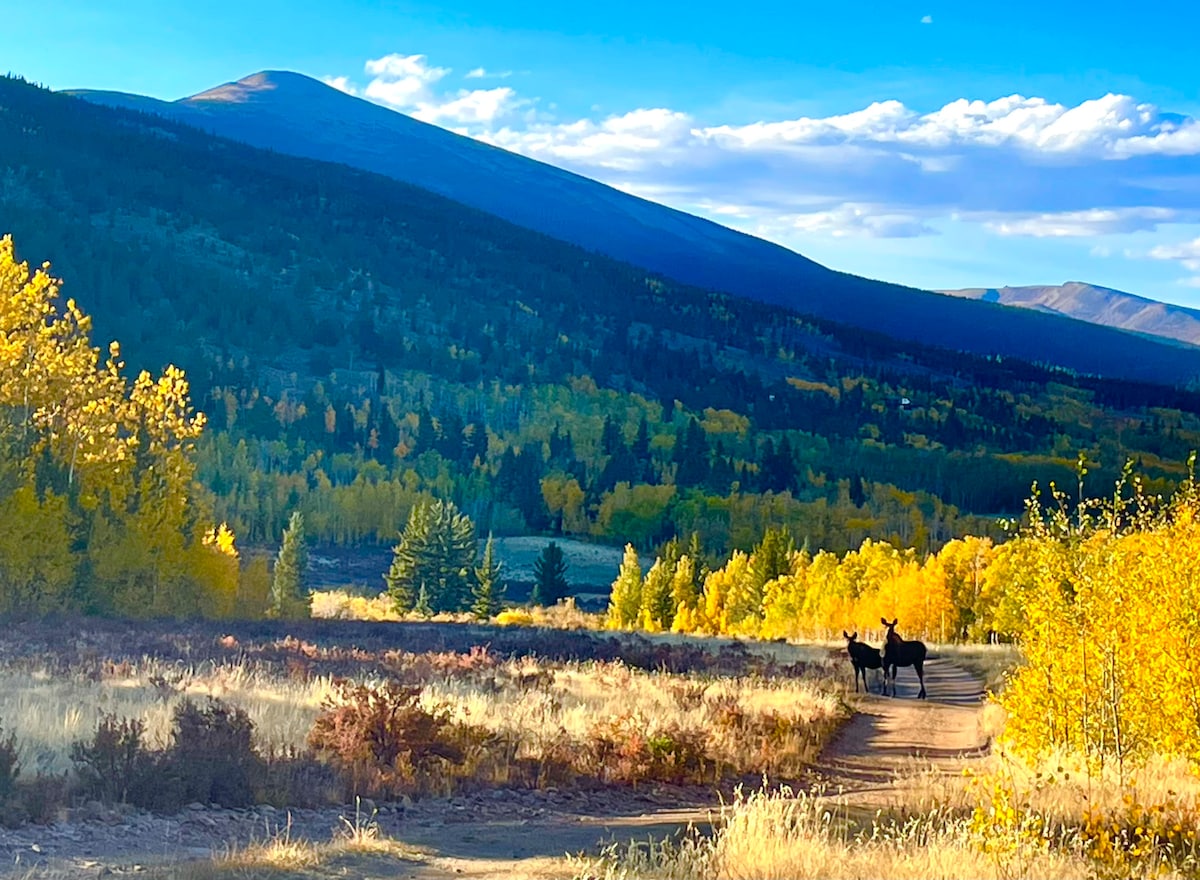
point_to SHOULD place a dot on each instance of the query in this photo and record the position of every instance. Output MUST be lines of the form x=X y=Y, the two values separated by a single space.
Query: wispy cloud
x=1186 y=253
x=482 y=73
x=926 y=19
x=1015 y=166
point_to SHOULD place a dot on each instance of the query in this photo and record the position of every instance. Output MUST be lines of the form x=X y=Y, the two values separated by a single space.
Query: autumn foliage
x=97 y=502
x=778 y=591
x=1105 y=597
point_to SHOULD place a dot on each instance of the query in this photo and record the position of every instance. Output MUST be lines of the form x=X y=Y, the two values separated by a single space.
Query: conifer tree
x=437 y=550
x=287 y=587
x=423 y=606
x=772 y=558
x=625 y=602
x=489 y=590
x=611 y=438
x=550 y=576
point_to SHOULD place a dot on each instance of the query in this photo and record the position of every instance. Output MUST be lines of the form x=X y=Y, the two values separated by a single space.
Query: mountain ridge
x=1096 y=304
x=291 y=113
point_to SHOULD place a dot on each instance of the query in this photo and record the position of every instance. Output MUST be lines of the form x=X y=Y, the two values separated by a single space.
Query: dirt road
x=890 y=737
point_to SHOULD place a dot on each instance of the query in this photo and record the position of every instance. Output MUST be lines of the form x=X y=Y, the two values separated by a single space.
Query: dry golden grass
x=47 y=713
x=356 y=853
x=345 y=605
x=781 y=836
x=535 y=702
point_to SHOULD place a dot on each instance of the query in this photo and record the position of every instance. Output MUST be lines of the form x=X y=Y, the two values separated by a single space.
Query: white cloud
x=876 y=221
x=1094 y=221
x=483 y=73
x=1186 y=253
x=469 y=107
x=341 y=83
x=1015 y=166
x=927 y=19
x=409 y=83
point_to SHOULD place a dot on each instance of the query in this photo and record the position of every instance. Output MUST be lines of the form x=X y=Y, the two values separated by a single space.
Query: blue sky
x=841 y=130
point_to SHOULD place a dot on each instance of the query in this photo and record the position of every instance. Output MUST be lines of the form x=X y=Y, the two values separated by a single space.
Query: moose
x=862 y=658
x=899 y=652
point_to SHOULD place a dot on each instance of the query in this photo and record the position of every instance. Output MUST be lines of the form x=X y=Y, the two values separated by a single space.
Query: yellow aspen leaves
x=96 y=462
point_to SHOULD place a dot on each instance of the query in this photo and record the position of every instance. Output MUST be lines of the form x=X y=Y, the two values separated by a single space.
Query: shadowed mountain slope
x=294 y=114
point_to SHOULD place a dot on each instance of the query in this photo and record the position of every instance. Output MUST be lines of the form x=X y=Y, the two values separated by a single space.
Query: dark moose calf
x=898 y=652
x=862 y=658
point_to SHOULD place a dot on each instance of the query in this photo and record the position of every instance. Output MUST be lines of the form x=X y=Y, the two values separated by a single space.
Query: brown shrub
x=384 y=742
x=115 y=767
x=619 y=749
x=212 y=757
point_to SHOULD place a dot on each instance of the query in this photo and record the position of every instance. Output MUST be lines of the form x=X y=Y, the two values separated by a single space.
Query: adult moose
x=862 y=658
x=899 y=652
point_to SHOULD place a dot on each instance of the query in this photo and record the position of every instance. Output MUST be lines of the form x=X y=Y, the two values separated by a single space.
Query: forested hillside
x=301 y=116
x=356 y=343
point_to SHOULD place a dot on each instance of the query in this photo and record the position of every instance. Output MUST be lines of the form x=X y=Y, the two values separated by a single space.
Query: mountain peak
x=1097 y=305
x=252 y=87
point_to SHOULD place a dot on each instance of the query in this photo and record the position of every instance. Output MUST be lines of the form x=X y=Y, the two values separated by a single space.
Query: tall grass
x=532 y=701
x=780 y=835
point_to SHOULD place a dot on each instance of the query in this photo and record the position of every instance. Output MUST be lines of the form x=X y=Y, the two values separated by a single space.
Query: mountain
x=296 y=115
x=1097 y=305
x=357 y=342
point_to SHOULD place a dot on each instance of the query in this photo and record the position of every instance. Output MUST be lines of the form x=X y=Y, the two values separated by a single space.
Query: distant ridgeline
x=357 y=343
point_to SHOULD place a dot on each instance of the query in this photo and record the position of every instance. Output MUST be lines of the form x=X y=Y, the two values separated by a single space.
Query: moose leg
x=920 y=667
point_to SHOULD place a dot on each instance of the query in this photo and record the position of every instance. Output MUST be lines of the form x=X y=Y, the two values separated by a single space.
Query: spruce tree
x=423 y=607
x=771 y=559
x=550 y=576
x=287 y=586
x=489 y=590
x=625 y=602
x=437 y=550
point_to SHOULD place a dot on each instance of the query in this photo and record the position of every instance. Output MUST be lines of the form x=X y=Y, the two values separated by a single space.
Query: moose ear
x=895 y=620
x=855 y=636
x=846 y=636
x=883 y=620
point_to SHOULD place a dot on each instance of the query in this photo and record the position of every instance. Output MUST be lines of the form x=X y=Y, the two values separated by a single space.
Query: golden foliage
x=92 y=460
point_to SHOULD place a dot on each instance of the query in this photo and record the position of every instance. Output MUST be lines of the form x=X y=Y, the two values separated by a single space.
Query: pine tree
x=489 y=590
x=287 y=587
x=611 y=438
x=550 y=576
x=423 y=607
x=700 y=569
x=772 y=558
x=437 y=550
x=692 y=455
x=625 y=602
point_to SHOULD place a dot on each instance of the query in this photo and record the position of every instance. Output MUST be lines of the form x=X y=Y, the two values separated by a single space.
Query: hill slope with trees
x=359 y=344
